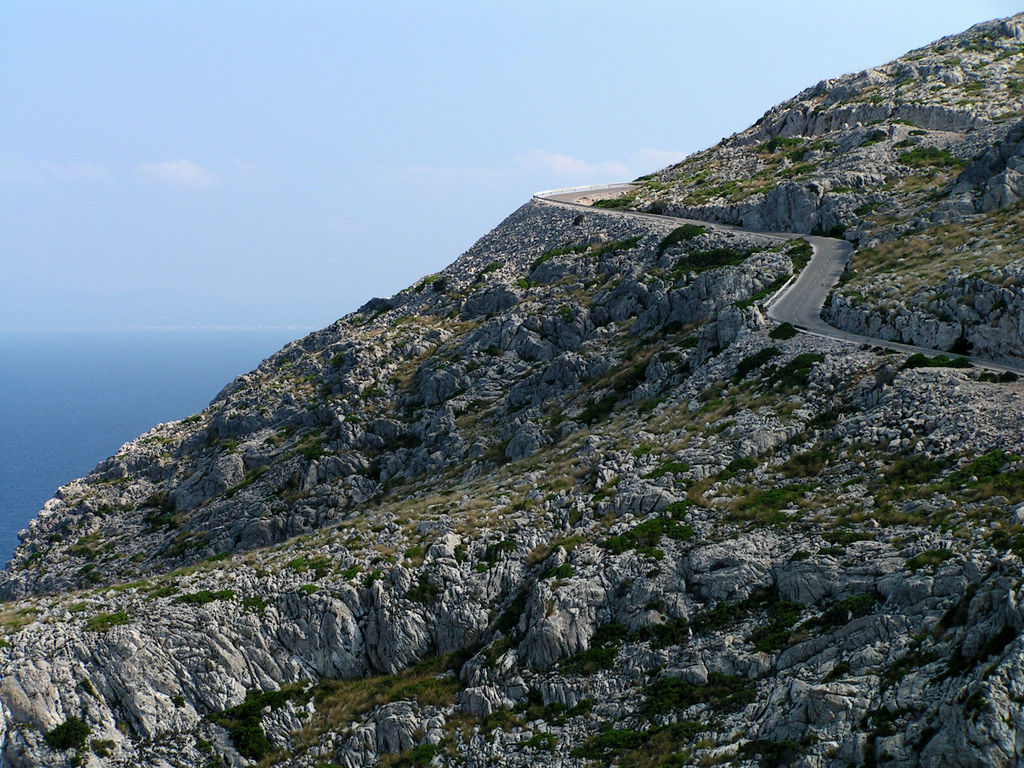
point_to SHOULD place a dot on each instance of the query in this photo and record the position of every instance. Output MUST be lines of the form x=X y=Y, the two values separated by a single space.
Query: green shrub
x=744 y=464
x=924 y=157
x=776 y=633
x=626 y=244
x=70 y=734
x=796 y=372
x=700 y=261
x=421 y=755
x=205 y=596
x=846 y=610
x=930 y=558
x=668 y=468
x=725 y=693
x=423 y=592
x=771 y=754
x=753 y=362
x=918 y=360
x=680 y=235
x=243 y=721
x=783 y=332
x=808 y=464
x=762 y=294
x=800 y=169
x=800 y=252
x=598 y=409
x=876 y=136
x=543 y=741
x=912 y=471
x=838 y=672
x=625 y=201
x=104 y=621
x=563 y=571
x=321 y=565
x=677 y=509
x=771 y=498
x=654 y=747
x=604 y=648
x=776 y=143
x=647 y=534
x=255 y=604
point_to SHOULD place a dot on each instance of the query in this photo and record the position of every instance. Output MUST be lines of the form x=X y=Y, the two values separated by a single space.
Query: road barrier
x=567 y=190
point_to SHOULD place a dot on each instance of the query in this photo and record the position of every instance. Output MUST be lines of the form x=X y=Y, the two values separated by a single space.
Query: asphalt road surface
x=800 y=301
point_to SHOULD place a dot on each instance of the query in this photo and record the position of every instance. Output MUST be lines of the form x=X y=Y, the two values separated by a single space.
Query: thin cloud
x=647 y=160
x=182 y=173
x=85 y=171
x=542 y=162
x=564 y=165
x=448 y=174
x=16 y=170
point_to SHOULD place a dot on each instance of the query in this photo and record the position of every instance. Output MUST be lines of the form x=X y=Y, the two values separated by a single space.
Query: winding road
x=798 y=302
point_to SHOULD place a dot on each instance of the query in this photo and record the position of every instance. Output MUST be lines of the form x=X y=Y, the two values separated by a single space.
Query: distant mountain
x=575 y=500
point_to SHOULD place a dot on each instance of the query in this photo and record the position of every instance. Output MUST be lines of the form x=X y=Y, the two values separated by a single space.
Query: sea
x=69 y=399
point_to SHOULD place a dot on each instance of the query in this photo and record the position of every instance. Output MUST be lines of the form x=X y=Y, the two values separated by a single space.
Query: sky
x=258 y=164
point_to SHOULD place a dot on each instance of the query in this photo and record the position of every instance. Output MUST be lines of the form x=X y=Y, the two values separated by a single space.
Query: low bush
x=648 y=534
x=680 y=235
x=243 y=721
x=795 y=373
x=925 y=157
x=845 y=611
x=604 y=648
x=423 y=592
x=752 y=362
x=71 y=734
x=919 y=360
x=783 y=332
x=725 y=693
x=700 y=261
x=930 y=558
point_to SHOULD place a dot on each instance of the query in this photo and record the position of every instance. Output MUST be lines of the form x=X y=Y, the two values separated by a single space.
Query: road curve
x=800 y=301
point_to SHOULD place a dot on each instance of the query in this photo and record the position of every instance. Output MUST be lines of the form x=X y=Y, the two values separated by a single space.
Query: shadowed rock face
x=575 y=483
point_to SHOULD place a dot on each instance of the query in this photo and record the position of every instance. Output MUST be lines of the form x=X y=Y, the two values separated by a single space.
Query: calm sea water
x=68 y=400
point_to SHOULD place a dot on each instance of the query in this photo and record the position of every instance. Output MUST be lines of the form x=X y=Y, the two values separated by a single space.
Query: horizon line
x=71 y=329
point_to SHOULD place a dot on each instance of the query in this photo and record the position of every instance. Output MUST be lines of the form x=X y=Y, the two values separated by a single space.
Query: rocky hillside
x=919 y=162
x=573 y=501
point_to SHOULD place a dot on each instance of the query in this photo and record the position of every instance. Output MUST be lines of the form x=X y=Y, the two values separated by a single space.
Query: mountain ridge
x=572 y=500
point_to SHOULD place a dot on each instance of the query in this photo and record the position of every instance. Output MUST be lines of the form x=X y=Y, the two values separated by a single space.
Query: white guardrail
x=567 y=190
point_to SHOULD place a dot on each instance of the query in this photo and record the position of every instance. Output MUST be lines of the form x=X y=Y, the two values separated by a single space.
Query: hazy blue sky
x=264 y=164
